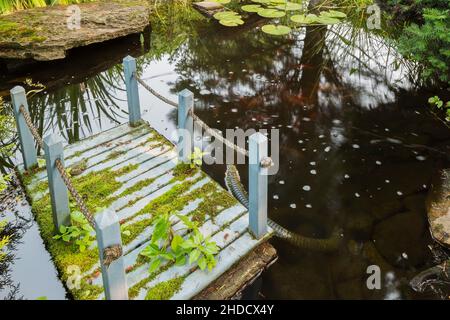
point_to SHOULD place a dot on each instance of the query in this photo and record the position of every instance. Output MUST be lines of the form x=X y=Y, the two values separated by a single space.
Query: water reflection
x=358 y=149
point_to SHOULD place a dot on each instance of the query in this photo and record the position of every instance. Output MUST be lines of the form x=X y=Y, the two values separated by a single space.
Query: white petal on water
x=355 y=146
x=378 y=163
x=234 y=110
x=357 y=195
x=387 y=181
x=346 y=176
x=281 y=182
x=307 y=188
x=276 y=197
x=313 y=172
x=421 y=158
x=313 y=163
x=309 y=206
x=399 y=193
x=327 y=149
x=306 y=119
x=204 y=92
x=321 y=136
x=300 y=141
x=337 y=122
x=293 y=205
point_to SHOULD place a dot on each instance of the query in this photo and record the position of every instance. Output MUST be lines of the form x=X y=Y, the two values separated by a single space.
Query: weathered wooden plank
x=165 y=168
x=107 y=146
x=199 y=280
x=98 y=139
x=132 y=157
x=141 y=272
x=148 y=165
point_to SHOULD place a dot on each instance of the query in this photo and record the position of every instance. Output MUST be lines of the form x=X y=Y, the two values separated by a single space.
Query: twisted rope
x=111 y=253
x=30 y=125
x=78 y=199
x=156 y=94
x=202 y=124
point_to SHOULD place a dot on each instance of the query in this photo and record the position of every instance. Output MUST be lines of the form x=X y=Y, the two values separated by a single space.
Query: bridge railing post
x=134 y=106
x=185 y=125
x=107 y=229
x=27 y=143
x=258 y=185
x=59 y=194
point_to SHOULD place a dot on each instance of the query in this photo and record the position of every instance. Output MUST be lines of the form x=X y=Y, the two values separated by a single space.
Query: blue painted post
x=134 y=106
x=107 y=228
x=53 y=148
x=27 y=143
x=185 y=125
x=258 y=185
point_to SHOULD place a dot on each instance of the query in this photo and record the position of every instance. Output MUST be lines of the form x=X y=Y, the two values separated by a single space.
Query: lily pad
x=277 y=1
x=276 y=30
x=231 y=22
x=271 y=13
x=290 y=6
x=334 y=14
x=302 y=19
x=225 y=14
x=251 y=8
x=327 y=20
x=221 y=1
x=267 y=2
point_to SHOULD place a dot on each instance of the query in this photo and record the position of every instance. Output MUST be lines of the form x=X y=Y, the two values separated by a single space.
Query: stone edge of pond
x=438 y=207
x=42 y=34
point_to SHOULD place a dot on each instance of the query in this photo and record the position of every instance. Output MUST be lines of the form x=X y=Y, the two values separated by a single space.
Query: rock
x=438 y=207
x=208 y=8
x=401 y=236
x=43 y=34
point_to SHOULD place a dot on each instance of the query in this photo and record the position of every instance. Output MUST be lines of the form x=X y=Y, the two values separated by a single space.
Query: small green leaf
x=176 y=241
x=289 y=6
x=194 y=255
x=181 y=260
x=154 y=265
x=228 y=23
x=225 y=14
x=202 y=263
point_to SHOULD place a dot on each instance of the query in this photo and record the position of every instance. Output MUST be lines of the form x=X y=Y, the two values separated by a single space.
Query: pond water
x=358 y=145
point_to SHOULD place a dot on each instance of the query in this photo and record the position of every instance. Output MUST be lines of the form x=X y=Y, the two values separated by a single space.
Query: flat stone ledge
x=438 y=208
x=42 y=34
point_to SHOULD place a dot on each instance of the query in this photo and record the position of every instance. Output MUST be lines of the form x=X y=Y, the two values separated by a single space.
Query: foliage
x=167 y=246
x=79 y=233
x=429 y=44
x=196 y=157
x=439 y=104
x=7 y=6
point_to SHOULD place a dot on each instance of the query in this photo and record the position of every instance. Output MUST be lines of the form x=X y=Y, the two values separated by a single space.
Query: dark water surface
x=358 y=146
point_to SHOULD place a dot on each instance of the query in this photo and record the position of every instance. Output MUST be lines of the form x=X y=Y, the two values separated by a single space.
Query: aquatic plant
x=440 y=105
x=79 y=233
x=166 y=246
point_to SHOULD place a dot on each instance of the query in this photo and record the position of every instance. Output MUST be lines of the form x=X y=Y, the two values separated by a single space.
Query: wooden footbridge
x=121 y=180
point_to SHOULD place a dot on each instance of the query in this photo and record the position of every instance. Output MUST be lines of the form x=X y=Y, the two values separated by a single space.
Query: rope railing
x=110 y=253
x=196 y=119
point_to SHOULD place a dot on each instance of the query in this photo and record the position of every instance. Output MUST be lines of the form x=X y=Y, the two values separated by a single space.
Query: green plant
x=196 y=157
x=438 y=103
x=79 y=233
x=167 y=246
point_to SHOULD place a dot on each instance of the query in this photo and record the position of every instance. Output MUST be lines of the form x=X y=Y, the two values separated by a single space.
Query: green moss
x=217 y=201
x=115 y=154
x=165 y=290
x=78 y=168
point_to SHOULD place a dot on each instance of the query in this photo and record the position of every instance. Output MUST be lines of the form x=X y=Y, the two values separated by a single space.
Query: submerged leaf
x=222 y=1
x=276 y=30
